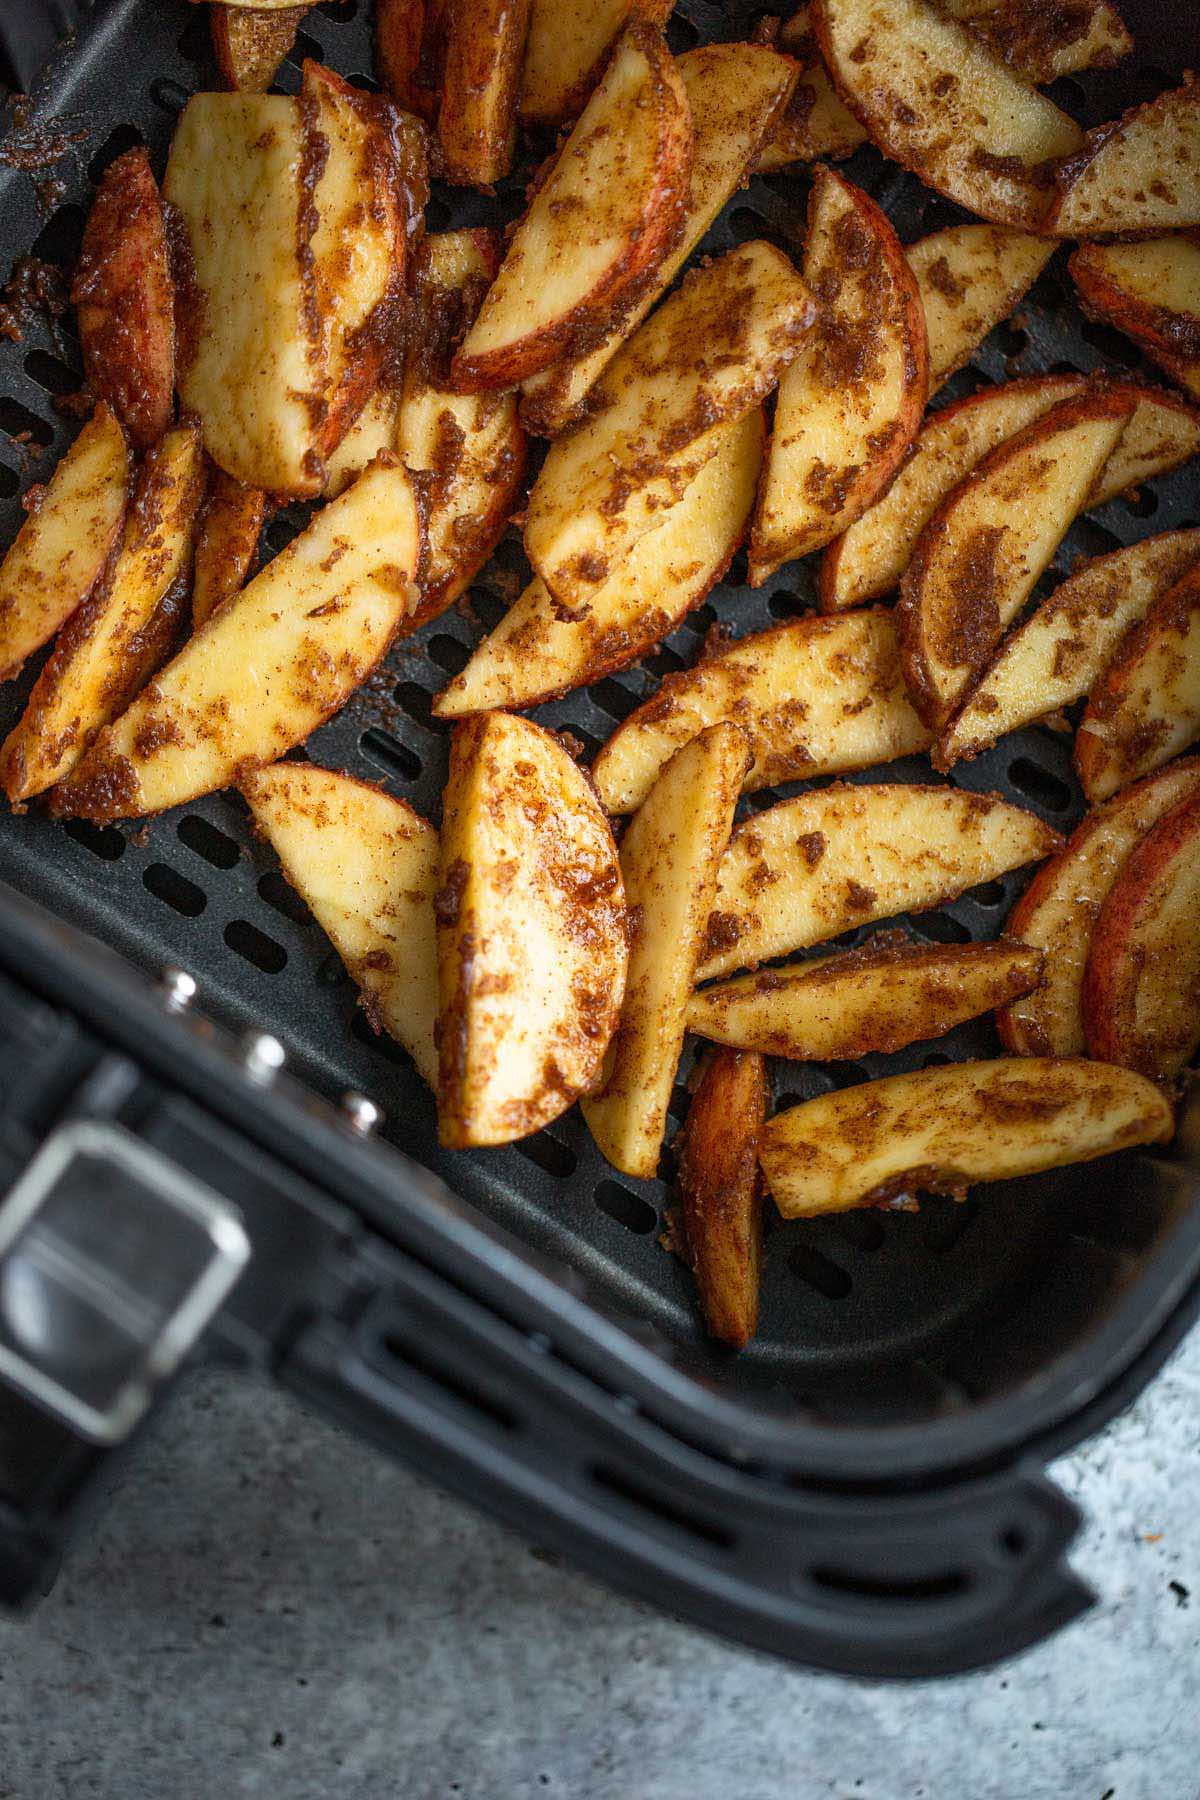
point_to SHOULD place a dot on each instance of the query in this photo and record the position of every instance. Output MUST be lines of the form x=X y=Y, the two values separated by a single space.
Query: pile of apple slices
x=275 y=325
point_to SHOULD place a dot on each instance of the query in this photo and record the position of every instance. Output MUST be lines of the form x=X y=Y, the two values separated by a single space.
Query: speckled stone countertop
x=267 y=1608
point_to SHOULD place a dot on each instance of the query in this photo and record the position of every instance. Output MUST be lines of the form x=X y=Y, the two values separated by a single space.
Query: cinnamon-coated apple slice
x=1151 y=292
x=971 y=277
x=568 y=44
x=670 y=855
x=1145 y=708
x=939 y=101
x=365 y=864
x=720 y=1192
x=1141 y=988
x=1057 y=911
x=851 y=402
x=481 y=46
x=807 y=869
x=980 y=555
x=938 y=1131
x=231 y=523
x=250 y=42
x=1061 y=649
x=1137 y=175
x=814 y=697
x=531 y=933
x=609 y=210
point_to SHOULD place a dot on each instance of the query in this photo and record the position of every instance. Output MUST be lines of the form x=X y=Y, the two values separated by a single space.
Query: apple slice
x=851 y=402
x=809 y=868
x=1043 y=43
x=269 y=666
x=566 y=50
x=607 y=213
x=939 y=102
x=226 y=544
x=541 y=649
x=1056 y=655
x=814 y=697
x=532 y=948
x=1150 y=291
x=248 y=366
x=125 y=300
x=815 y=124
x=372 y=434
x=1057 y=911
x=711 y=353
x=878 y=998
x=935 y=1131
x=366 y=867
x=408 y=51
x=482 y=49
x=869 y=559
x=1138 y=175
x=720 y=1192
x=123 y=631
x=1141 y=989
x=250 y=42
x=1145 y=708
x=64 y=540
x=367 y=198
x=734 y=93
x=468 y=448
x=669 y=859
x=979 y=557
x=971 y=278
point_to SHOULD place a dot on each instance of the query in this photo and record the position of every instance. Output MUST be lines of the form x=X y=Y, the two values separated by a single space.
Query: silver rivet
x=178 y=989
x=263 y=1056
x=361 y=1114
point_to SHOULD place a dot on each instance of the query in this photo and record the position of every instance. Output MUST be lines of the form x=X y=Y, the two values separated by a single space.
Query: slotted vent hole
x=627 y=1208
x=943 y=1223
x=449 y=655
x=389 y=753
x=340 y=11
x=306 y=46
x=861 y=1230
x=104 y=841
x=194 y=43
x=902 y=1588
x=254 y=946
x=10 y=483
x=941 y=928
x=174 y=890
x=1037 y=784
x=634 y=1494
x=61 y=236
x=208 y=840
x=23 y=426
x=416 y=702
x=988 y=893
x=409 y=1353
x=168 y=95
x=52 y=375
x=818 y=1272
x=549 y=1154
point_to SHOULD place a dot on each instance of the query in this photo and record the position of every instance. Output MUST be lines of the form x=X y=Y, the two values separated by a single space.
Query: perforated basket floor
x=842 y=1298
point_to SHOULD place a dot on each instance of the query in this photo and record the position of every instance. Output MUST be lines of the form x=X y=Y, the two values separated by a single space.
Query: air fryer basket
x=880 y=1434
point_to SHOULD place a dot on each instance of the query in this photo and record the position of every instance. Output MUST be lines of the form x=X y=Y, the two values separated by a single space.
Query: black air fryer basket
x=862 y=1489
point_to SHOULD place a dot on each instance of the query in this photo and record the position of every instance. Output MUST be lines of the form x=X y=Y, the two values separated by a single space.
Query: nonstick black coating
x=889 y=1311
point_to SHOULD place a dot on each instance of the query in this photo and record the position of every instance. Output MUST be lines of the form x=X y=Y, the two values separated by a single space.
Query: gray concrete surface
x=268 y=1609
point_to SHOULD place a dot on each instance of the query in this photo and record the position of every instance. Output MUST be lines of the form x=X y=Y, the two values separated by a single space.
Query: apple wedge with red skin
x=1145 y=708
x=1060 y=651
x=408 y=53
x=869 y=559
x=734 y=93
x=1151 y=292
x=125 y=300
x=980 y=555
x=1136 y=176
x=1044 y=42
x=540 y=650
x=1058 y=910
x=231 y=523
x=1141 y=989
x=815 y=125
x=482 y=47
x=971 y=277
x=937 y=1131
x=852 y=400
x=609 y=210
x=936 y=99
x=720 y=1192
